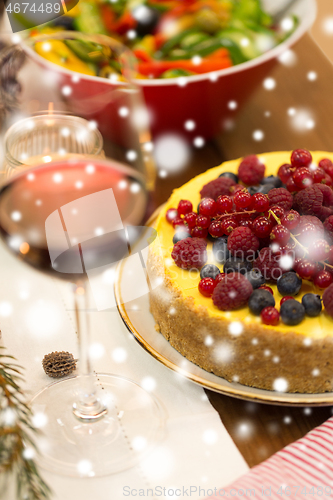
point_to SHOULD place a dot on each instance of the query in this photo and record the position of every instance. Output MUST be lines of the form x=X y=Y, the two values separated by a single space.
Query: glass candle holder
x=47 y=138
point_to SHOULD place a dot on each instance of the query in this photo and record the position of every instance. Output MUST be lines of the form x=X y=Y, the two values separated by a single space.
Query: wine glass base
x=132 y=427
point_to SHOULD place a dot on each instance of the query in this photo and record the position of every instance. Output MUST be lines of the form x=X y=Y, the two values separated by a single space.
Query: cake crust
x=257 y=357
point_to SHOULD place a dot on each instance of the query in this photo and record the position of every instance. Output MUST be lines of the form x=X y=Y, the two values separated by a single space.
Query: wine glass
x=65 y=219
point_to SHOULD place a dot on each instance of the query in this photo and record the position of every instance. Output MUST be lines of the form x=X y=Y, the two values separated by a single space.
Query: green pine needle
x=16 y=435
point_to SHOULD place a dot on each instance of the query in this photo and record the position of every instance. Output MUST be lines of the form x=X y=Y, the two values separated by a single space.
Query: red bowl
x=172 y=102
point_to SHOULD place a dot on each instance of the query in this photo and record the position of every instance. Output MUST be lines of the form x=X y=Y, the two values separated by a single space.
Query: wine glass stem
x=87 y=407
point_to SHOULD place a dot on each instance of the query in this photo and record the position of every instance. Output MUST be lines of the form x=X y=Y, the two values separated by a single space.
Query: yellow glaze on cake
x=186 y=283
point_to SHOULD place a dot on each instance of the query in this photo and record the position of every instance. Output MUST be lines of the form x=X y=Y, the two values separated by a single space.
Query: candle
x=47 y=138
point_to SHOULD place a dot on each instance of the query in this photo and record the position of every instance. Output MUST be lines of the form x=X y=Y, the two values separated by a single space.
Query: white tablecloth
x=197 y=452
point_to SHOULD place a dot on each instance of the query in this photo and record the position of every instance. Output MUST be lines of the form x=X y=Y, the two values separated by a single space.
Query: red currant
x=327 y=180
x=330 y=256
x=216 y=229
x=302 y=178
x=208 y=207
x=171 y=214
x=329 y=171
x=318 y=175
x=260 y=202
x=224 y=203
x=266 y=287
x=206 y=287
x=306 y=269
x=191 y=219
x=219 y=278
x=285 y=172
x=203 y=221
x=262 y=227
x=325 y=163
x=199 y=232
x=270 y=316
x=286 y=297
x=319 y=250
x=280 y=234
x=323 y=279
x=277 y=211
x=308 y=234
x=246 y=222
x=242 y=199
x=178 y=222
x=291 y=219
x=236 y=188
x=229 y=225
x=291 y=186
x=184 y=207
x=300 y=158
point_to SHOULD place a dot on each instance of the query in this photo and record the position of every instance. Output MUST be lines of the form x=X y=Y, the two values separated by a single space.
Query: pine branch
x=16 y=435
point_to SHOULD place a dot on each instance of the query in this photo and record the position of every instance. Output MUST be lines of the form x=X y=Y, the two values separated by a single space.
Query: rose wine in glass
x=64 y=219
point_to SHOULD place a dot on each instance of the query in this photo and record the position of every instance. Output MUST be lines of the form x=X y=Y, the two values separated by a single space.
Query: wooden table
x=268 y=428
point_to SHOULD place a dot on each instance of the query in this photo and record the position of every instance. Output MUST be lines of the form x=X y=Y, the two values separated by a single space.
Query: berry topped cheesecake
x=244 y=262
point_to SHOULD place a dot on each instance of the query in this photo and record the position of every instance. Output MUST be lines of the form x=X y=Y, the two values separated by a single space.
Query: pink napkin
x=302 y=470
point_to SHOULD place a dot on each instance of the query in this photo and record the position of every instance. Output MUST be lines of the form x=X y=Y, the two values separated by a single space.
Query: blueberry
x=237 y=265
x=292 y=312
x=253 y=189
x=220 y=249
x=289 y=284
x=272 y=179
x=230 y=175
x=266 y=188
x=260 y=299
x=312 y=304
x=209 y=271
x=255 y=278
x=180 y=235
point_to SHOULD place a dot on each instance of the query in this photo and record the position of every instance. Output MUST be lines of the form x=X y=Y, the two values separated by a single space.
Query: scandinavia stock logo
x=87 y=237
x=25 y=14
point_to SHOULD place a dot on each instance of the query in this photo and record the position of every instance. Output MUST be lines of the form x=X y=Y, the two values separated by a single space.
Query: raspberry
x=190 y=253
x=242 y=240
x=232 y=292
x=268 y=264
x=281 y=197
x=270 y=316
x=328 y=225
x=328 y=300
x=310 y=219
x=251 y=170
x=315 y=200
x=217 y=187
